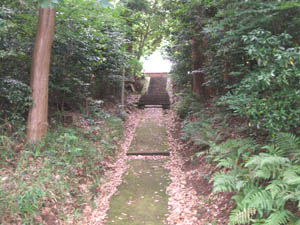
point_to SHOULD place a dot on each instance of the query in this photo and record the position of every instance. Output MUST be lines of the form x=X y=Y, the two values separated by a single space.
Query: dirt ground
x=210 y=208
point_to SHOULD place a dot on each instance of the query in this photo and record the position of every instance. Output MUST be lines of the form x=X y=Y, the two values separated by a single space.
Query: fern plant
x=264 y=182
x=201 y=133
x=289 y=146
x=236 y=149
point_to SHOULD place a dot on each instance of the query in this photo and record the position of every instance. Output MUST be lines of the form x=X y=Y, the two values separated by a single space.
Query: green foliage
x=49 y=3
x=233 y=148
x=144 y=25
x=263 y=182
x=14 y=100
x=268 y=95
x=90 y=47
x=47 y=176
x=278 y=217
x=204 y=130
x=288 y=145
x=105 y=3
x=241 y=216
x=87 y=56
x=187 y=105
x=251 y=60
x=7 y=148
x=28 y=202
x=227 y=182
x=250 y=56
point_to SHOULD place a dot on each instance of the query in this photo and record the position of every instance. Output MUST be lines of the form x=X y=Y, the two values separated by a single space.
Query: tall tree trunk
x=38 y=114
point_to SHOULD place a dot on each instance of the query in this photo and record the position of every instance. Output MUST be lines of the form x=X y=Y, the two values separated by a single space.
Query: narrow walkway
x=141 y=198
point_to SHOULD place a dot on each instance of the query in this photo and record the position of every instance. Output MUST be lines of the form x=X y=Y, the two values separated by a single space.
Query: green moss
x=142 y=197
x=149 y=138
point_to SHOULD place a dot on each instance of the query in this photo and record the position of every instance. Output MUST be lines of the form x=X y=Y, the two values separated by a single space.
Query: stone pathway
x=141 y=198
x=151 y=134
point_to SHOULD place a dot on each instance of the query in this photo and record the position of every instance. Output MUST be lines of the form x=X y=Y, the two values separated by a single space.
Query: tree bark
x=37 y=123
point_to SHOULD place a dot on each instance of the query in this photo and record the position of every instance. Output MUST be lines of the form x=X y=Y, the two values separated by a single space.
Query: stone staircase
x=156 y=95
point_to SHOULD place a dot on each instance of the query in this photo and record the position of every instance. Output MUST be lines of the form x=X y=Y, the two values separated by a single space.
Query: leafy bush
x=269 y=95
x=15 y=99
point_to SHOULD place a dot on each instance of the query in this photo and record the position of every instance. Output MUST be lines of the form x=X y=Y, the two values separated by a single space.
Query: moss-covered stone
x=141 y=198
x=149 y=138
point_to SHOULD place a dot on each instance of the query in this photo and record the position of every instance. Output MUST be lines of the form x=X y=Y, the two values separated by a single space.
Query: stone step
x=149 y=153
x=156 y=94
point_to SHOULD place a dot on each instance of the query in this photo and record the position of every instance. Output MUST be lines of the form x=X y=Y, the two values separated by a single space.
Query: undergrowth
x=264 y=177
x=57 y=178
x=187 y=104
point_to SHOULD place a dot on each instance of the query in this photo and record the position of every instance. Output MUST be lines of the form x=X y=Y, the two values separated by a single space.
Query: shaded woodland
x=236 y=82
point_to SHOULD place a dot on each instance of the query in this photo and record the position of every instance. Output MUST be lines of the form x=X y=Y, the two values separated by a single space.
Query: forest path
x=149 y=190
x=141 y=198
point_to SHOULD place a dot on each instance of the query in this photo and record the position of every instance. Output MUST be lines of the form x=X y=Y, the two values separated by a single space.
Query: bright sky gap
x=156 y=63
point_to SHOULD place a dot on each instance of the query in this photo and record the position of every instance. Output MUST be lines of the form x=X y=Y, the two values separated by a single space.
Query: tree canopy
x=91 y=44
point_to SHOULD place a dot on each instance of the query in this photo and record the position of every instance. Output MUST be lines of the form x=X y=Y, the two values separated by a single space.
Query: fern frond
x=200 y=132
x=259 y=199
x=276 y=187
x=266 y=165
x=295 y=221
x=274 y=150
x=288 y=144
x=264 y=173
x=227 y=163
x=291 y=175
x=293 y=196
x=265 y=159
x=241 y=216
x=233 y=148
x=224 y=182
x=279 y=217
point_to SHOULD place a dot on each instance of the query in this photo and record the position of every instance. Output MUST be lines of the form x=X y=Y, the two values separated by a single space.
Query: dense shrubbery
x=14 y=100
x=187 y=104
x=269 y=94
x=90 y=48
x=250 y=55
x=44 y=179
x=251 y=60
